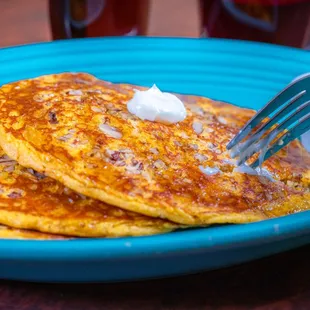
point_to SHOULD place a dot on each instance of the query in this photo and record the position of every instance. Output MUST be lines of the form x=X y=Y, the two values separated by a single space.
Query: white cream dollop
x=157 y=106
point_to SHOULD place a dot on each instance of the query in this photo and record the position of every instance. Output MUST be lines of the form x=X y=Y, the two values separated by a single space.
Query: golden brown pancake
x=14 y=233
x=77 y=130
x=30 y=200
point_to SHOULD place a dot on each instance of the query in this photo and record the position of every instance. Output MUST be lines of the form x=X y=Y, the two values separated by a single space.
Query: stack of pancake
x=74 y=162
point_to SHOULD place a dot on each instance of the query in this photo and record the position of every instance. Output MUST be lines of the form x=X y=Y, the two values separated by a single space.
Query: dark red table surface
x=278 y=282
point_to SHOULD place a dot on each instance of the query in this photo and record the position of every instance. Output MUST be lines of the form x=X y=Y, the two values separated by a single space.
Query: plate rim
x=209 y=238
x=158 y=39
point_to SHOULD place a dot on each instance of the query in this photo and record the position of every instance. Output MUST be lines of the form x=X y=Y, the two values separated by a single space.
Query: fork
x=289 y=115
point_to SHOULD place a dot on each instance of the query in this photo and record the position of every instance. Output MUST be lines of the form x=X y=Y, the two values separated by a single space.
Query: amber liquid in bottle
x=93 y=18
x=285 y=22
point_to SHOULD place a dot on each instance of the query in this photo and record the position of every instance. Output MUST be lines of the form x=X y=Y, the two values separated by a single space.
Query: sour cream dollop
x=156 y=106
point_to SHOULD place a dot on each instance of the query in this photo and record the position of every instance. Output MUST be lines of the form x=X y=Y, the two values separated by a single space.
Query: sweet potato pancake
x=77 y=130
x=30 y=200
x=14 y=233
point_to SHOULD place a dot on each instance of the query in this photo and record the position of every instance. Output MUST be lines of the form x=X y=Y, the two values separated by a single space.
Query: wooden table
x=279 y=282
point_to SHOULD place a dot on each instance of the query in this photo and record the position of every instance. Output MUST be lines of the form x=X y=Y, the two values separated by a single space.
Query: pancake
x=29 y=200
x=13 y=233
x=77 y=130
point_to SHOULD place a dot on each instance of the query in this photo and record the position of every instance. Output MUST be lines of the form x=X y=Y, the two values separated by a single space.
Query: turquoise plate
x=243 y=73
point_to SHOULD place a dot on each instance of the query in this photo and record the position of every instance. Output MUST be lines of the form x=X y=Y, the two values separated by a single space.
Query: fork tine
x=303 y=110
x=290 y=91
x=287 y=137
x=256 y=147
x=286 y=109
x=298 y=115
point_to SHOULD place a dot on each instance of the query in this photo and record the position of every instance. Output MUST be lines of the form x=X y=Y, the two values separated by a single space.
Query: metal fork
x=288 y=112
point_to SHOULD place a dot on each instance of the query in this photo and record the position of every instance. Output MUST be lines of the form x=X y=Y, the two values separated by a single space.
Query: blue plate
x=243 y=73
